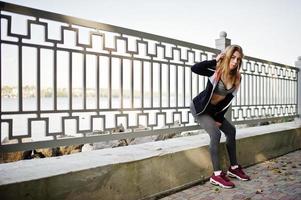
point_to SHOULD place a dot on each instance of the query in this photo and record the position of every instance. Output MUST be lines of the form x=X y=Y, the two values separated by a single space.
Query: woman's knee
x=205 y=121
x=228 y=128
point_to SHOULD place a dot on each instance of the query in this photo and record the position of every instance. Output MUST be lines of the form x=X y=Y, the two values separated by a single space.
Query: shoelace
x=223 y=176
x=240 y=170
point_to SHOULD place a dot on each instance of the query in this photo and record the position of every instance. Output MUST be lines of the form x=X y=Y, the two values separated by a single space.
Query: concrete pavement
x=279 y=178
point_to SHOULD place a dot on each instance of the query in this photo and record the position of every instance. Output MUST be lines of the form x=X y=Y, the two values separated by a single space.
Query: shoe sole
x=235 y=176
x=213 y=182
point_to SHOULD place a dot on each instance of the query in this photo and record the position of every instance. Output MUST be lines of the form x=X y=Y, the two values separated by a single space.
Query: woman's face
x=235 y=60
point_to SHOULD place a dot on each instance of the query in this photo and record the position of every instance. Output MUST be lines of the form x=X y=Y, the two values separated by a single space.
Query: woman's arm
x=205 y=68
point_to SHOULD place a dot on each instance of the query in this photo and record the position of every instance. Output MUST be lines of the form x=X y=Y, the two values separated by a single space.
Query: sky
x=266 y=29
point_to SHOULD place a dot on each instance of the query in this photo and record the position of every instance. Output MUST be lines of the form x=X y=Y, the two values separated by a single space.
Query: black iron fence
x=64 y=76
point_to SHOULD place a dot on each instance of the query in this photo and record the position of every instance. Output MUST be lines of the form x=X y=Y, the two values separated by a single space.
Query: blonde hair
x=222 y=66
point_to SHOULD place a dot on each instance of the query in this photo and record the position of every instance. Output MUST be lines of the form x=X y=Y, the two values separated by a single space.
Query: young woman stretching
x=210 y=106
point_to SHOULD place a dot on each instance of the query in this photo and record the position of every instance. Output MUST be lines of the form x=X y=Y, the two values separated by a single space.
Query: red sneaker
x=221 y=180
x=238 y=173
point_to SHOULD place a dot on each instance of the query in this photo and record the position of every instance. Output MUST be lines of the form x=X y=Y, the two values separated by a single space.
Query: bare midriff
x=215 y=99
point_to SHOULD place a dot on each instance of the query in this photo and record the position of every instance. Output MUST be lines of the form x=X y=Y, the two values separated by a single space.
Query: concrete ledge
x=139 y=171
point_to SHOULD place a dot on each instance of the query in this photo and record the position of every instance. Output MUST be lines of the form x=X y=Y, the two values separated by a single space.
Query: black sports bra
x=222 y=90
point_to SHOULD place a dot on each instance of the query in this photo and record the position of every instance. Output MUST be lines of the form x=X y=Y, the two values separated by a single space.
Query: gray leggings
x=208 y=123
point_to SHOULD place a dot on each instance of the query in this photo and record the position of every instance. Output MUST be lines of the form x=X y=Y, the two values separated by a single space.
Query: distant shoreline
x=10 y=92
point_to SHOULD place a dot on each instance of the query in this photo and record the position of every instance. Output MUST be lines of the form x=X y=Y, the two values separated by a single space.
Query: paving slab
x=279 y=178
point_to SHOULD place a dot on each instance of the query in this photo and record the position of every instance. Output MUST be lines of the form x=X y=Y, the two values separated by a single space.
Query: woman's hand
x=218 y=124
x=220 y=56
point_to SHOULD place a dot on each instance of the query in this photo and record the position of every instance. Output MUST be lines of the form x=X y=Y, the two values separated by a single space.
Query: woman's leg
x=234 y=170
x=208 y=123
x=230 y=133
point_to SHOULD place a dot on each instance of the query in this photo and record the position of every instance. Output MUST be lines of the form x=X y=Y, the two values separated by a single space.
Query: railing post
x=221 y=44
x=223 y=41
x=298 y=65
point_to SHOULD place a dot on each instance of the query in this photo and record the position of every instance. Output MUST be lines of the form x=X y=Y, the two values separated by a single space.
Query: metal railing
x=269 y=90
x=65 y=76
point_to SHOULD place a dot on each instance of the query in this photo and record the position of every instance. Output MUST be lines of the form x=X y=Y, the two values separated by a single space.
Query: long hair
x=222 y=66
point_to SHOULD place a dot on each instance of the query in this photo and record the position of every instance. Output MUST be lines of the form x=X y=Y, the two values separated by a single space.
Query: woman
x=210 y=106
